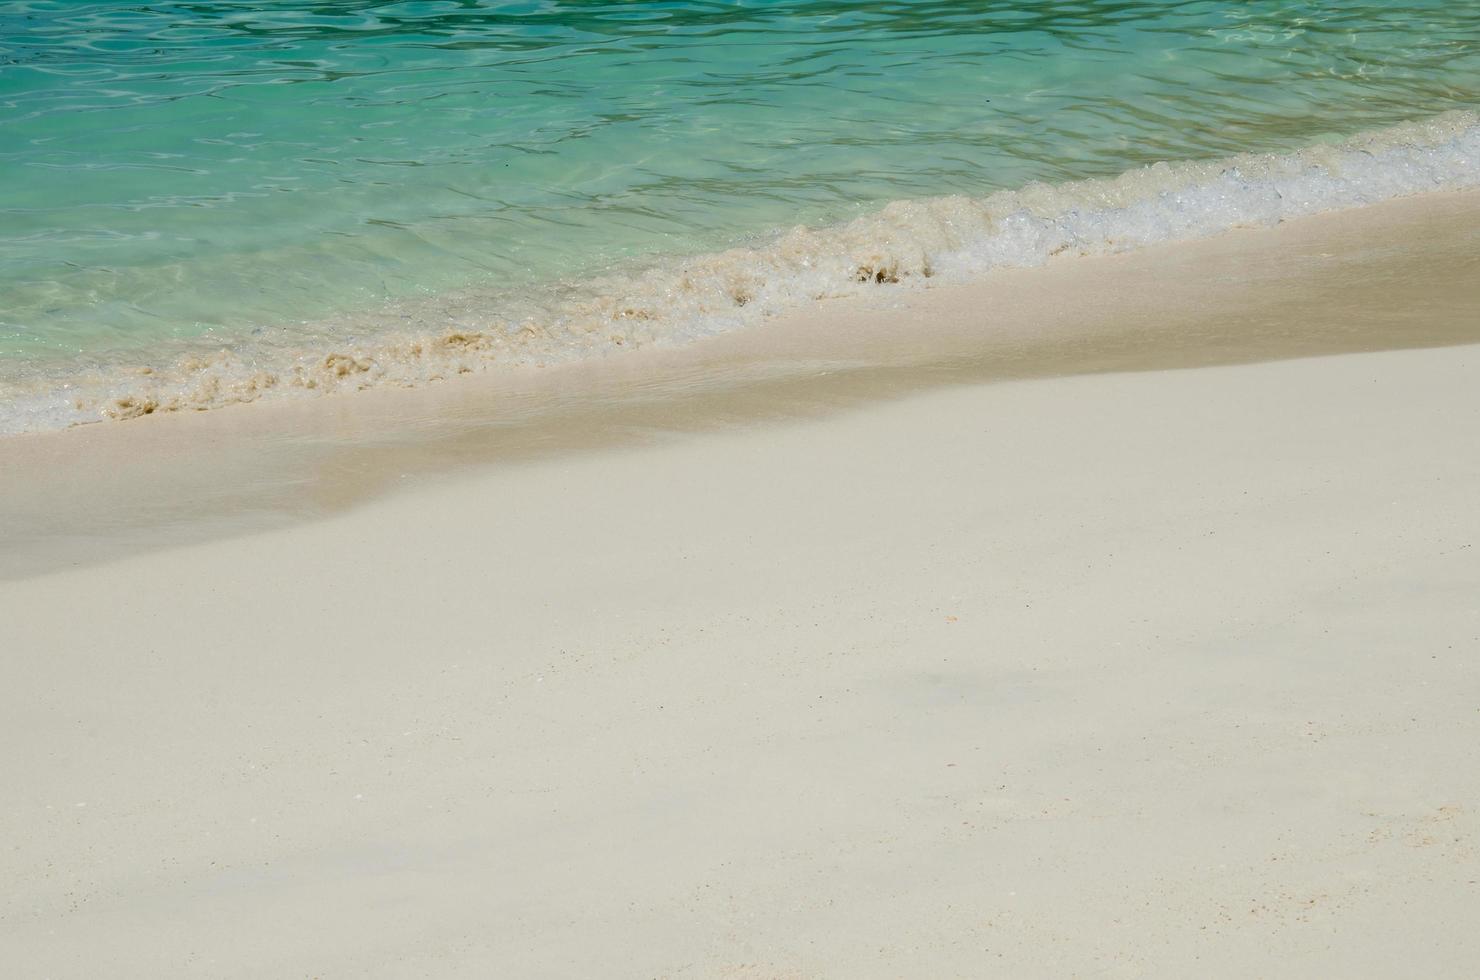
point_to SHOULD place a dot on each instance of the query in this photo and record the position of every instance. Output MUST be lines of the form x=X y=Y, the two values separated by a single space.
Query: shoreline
x=661 y=301
x=1397 y=274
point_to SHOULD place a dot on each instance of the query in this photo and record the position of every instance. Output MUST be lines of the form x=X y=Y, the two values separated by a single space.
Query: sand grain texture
x=1173 y=674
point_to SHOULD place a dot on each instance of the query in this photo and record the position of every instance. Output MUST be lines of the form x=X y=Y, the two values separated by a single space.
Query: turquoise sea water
x=282 y=179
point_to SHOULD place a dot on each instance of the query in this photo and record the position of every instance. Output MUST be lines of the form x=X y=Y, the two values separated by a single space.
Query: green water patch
x=212 y=170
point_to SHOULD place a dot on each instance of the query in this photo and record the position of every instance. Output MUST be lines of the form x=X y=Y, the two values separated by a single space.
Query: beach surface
x=1155 y=670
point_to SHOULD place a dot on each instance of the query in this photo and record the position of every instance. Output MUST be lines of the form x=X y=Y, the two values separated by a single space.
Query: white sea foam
x=903 y=245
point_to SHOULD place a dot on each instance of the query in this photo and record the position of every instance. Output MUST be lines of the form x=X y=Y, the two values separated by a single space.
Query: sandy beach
x=1164 y=661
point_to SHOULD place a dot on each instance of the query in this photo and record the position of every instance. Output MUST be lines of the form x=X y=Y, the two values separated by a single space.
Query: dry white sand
x=1170 y=674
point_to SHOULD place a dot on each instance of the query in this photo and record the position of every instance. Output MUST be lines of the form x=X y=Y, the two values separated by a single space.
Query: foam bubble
x=902 y=245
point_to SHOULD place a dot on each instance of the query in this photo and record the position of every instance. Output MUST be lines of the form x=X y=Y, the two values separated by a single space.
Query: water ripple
x=187 y=169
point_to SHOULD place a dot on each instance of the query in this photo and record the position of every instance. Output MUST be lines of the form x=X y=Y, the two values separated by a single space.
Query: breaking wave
x=900 y=246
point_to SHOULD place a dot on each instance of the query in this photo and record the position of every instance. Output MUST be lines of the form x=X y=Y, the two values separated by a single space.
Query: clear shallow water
x=300 y=181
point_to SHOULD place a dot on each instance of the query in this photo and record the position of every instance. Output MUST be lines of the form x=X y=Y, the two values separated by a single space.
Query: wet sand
x=1401 y=274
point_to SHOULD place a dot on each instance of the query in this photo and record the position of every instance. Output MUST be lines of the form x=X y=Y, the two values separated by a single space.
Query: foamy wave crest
x=903 y=245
